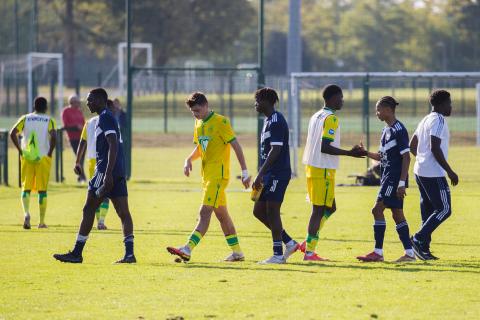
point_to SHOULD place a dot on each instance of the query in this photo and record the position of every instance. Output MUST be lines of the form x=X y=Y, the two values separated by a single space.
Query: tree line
x=337 y=35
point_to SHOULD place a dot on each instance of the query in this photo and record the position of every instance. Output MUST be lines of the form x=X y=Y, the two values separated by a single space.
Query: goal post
x=121 y=64
x=32 y=57
x=361 y=88
x=478 y=112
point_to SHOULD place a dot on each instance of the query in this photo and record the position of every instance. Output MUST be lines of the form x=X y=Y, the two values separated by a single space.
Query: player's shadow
x=421 y=266
x=243 y=266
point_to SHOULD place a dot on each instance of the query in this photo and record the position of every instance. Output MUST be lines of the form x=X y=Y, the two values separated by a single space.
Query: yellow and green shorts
x=320 y=186
x=91 y=167
x=35 y=175
x=214 y=192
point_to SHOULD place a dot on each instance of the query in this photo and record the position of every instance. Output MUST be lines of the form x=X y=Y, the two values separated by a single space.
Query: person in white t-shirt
x=321 y=158
x=429 y=145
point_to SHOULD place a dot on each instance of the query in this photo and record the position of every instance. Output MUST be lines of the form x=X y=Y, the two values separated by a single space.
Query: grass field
x=164 y=205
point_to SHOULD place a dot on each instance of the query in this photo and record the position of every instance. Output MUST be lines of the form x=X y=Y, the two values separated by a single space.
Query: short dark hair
x=267 y=94
x=100 y=93
x=196 y=98
x=109 y=103
x=330 y=90
x=40 y=104
x=438 y=97
x=388 y=101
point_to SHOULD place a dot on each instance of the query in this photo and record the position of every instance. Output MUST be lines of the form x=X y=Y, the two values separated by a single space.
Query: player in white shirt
x=321 y=158
x=429 y=145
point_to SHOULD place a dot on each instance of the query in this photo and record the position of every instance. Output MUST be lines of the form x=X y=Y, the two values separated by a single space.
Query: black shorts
x=119 y=188
x=388 y=195
x=274 y=190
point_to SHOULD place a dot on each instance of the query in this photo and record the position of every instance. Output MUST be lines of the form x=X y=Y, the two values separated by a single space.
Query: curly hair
x=267 y=94
x=438 y=97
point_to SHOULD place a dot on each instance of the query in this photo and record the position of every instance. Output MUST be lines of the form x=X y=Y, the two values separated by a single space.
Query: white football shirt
x=320 y=128
x=434 y=124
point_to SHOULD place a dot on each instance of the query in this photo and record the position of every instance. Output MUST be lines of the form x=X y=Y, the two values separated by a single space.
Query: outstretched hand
x=358 y=151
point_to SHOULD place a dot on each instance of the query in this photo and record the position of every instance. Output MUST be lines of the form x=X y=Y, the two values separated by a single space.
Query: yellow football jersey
x=213 y=135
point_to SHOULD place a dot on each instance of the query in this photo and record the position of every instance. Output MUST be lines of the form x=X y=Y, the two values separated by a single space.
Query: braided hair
x=388 y=101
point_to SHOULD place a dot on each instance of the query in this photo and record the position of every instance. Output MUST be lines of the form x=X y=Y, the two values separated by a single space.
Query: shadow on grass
x=391 y=266
x=237 y=266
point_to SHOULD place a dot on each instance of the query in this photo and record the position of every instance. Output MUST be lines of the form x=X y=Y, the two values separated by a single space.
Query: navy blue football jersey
x=107 y=125
x=393 y=144
x=275 y=132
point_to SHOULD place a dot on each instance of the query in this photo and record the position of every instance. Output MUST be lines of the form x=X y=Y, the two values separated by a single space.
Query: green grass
x=164 y=205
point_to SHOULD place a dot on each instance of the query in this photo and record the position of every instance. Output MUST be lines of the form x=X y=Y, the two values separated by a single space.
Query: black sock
x=78 y=249
x=379 y=233
x=128 y=240
x=404 y=234
x=285 y=237
x=277 y=248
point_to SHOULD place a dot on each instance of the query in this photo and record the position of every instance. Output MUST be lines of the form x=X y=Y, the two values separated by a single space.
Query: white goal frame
x=44 y=55
x=122 y=76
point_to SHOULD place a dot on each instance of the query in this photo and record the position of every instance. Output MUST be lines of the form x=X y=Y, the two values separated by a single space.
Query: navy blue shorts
x=119 y=188
x=274 y=190
x=388 y=195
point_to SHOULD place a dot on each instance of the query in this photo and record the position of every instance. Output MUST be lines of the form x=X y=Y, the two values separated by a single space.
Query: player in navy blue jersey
x=394 y=160
x=108 y=180
x=274 y=174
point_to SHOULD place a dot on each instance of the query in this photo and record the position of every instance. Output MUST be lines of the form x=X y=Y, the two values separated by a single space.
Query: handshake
x=358 y=151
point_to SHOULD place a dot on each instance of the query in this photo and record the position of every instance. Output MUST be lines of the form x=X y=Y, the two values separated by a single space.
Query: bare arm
x=82 y=147
x=414 y=145
x=271 y=158
x=373 y=155
x=405 y=166
x=53 y=142
x=241 y=159
x=112 y=158
x=439 y=156
x=401 y=191
x=14 y=138
x=192 y=157
x=329 y=149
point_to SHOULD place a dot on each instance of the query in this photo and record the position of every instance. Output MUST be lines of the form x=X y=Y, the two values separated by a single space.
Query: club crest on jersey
x=331 y=131
x=203 y=140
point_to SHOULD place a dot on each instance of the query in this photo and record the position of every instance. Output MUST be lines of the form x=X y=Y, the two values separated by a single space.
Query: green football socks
x=26 y=202
x=194 y=239
x=232 y=241
x=42 y=204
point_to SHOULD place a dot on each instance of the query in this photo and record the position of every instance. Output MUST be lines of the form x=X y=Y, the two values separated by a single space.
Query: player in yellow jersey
x=213 y=136
x=87 y=148
x=321 y=157
x=36 y=148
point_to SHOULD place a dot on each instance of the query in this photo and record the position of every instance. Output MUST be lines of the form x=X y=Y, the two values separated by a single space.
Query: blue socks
x=404 y=235
x=128 y=240
x=278 y=248
x=285 y=237
x=79 y=245
x=379 y=233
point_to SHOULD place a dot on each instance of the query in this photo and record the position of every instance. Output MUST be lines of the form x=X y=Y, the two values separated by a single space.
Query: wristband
x=401 y=184
x=244 y=175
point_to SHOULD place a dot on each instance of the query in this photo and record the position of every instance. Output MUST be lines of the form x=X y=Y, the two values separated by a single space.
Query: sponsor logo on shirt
x=203 y=140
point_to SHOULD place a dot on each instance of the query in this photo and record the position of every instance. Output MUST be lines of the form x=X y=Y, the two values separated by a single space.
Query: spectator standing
x=73 y=122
